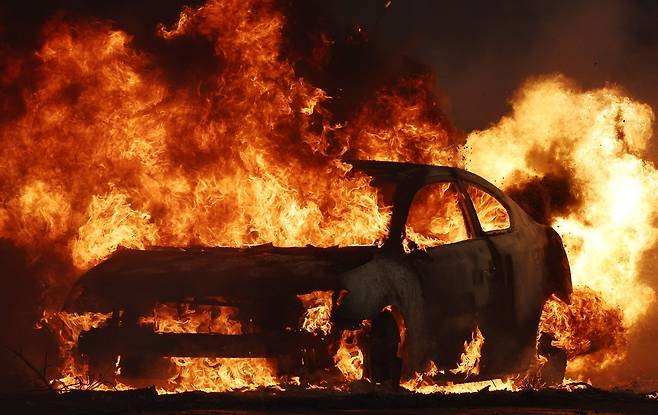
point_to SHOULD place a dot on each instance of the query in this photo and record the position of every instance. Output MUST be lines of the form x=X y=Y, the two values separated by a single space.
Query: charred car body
x=459 y=255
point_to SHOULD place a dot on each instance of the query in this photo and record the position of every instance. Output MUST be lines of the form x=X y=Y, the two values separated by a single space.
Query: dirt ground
x=322 y=402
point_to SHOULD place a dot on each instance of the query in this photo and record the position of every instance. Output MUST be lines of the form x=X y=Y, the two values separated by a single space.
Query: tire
x=552 y=372
x=383 y=364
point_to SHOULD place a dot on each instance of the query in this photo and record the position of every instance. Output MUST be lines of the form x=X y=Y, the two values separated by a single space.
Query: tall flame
x=115 y=156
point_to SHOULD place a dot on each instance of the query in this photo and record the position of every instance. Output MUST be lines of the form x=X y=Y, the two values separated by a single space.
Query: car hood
x=134 y=279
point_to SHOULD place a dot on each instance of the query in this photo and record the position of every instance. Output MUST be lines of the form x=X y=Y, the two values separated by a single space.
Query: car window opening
x=435 y=217
x=490 y=212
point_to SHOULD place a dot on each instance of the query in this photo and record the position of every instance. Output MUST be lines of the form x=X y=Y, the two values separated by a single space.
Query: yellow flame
x=597 y=137
x=317 y=317
x=470 y=358
x=186 y=318
x=220 y=374
x=349 y=356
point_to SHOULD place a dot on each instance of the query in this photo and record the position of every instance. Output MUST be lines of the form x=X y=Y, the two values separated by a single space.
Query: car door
x=510 y=323
x=493 y=222
x=455 y=267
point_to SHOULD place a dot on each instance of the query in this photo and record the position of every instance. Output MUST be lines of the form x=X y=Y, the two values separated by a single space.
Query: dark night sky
x=482 y=50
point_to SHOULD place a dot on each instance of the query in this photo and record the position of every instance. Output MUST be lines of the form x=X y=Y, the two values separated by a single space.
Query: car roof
x=398 y=171
x=401 y=171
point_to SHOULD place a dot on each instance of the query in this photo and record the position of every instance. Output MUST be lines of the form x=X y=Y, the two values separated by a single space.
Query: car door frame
x=502 y=266
x=476 y=236
x=500 y=323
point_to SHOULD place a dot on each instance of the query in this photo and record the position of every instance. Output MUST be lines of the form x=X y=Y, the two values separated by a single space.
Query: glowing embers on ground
x=425 y=384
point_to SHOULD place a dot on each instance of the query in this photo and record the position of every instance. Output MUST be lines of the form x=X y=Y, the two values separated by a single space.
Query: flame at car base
x=98 y=161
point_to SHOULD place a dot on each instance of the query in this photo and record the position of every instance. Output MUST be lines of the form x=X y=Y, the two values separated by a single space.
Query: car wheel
x=552 y=372
x=383 y=364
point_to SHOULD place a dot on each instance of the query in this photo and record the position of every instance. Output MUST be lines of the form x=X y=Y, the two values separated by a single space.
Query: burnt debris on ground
x=147 y=400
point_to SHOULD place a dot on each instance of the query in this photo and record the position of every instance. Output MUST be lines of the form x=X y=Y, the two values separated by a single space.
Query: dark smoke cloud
x=345 y=62
x=544 y=198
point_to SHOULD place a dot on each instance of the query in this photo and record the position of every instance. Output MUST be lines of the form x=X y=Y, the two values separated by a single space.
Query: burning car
x=462 y=265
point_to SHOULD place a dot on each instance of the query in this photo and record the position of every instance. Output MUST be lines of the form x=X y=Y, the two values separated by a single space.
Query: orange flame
x=597 y=138
x=197 y=319
x=317 y=317
x=584 y=327
x=444 y=225
x=68 y=326
x=470 y=359
x=220 y=374
x=349 y=356
x=491 y=214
